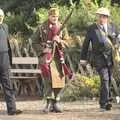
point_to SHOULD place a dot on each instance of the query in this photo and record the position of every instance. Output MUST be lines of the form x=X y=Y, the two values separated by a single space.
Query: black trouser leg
x=105 y=82
x=8 y=92
x=6 y=83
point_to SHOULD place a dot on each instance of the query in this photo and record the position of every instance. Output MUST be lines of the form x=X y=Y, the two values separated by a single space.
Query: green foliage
x=16 y=24
x=81 y=86
x=82 y=17
x=115 y=15
x=41 y=15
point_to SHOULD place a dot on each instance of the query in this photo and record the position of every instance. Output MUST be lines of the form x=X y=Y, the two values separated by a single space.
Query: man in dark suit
x=102 y=35
x=5 y=60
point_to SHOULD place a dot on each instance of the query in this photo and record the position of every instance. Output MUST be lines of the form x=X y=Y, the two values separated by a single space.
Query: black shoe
x=17 y=112
x=110 y=99
x=56 y=108
x=108 y=106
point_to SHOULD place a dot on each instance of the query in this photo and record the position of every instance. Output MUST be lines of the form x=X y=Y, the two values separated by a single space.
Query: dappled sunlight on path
x=80 y=110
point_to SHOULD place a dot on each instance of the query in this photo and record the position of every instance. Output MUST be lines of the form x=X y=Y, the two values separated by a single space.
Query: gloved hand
x=83 y=62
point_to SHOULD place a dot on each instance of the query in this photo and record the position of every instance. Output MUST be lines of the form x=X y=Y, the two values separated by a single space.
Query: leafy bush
x=16 y=24
x=81 y=86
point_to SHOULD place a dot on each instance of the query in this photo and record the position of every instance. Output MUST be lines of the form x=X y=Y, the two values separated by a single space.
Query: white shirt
x=105 y=27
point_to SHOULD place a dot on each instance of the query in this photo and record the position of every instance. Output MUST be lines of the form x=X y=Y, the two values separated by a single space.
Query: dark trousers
x=5 y=81
x=105 y=77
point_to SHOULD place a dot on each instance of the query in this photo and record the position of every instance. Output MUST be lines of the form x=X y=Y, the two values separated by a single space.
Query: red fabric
x=67 y=71
x=60 y=52
x=45 y=68
x=48 y=56
x=53 y=29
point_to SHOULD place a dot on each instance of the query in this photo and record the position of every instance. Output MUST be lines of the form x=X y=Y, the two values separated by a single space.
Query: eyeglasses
x=103 y=16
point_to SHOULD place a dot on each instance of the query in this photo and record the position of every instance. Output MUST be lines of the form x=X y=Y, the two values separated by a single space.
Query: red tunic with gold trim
x=44 y=38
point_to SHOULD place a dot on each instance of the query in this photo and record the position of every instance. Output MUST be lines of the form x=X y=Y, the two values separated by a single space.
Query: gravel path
x=80 y=110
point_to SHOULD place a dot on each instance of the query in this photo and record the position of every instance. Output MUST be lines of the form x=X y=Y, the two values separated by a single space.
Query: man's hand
x=64 y=42
x=57 y=39
x=83 y=62
x=118 y=37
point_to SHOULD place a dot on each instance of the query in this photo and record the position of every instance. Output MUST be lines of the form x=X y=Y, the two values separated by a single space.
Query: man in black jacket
x=102 y=35
x=5 y=57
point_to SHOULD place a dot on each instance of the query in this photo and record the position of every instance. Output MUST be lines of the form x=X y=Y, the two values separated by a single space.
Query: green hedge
x=81 y=86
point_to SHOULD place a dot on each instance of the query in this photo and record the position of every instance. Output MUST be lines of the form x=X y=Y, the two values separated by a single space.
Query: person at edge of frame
x=102 y=35
x=5 y=62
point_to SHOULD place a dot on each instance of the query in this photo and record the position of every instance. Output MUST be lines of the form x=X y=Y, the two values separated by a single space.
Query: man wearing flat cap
x=48 y=46
x=5 y=57
x=102 y=35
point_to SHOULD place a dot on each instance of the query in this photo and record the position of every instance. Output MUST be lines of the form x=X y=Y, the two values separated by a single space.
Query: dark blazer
x=5 y=27
x=10 y=53
x=101 y=53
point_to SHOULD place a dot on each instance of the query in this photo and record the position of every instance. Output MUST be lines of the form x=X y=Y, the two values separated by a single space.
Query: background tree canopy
x=23 y=16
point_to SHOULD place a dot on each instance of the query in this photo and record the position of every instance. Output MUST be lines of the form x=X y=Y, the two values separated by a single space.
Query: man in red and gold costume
x=48 y=45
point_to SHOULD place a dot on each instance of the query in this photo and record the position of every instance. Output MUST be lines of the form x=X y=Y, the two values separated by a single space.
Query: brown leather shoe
x=17 y=112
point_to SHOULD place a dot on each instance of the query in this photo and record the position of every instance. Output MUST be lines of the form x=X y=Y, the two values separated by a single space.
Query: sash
x=115 y=55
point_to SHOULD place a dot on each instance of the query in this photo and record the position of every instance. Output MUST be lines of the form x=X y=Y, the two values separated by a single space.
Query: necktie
x=103 y=28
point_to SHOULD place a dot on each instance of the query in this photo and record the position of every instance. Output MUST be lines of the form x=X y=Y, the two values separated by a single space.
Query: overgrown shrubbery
x=81 y=86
